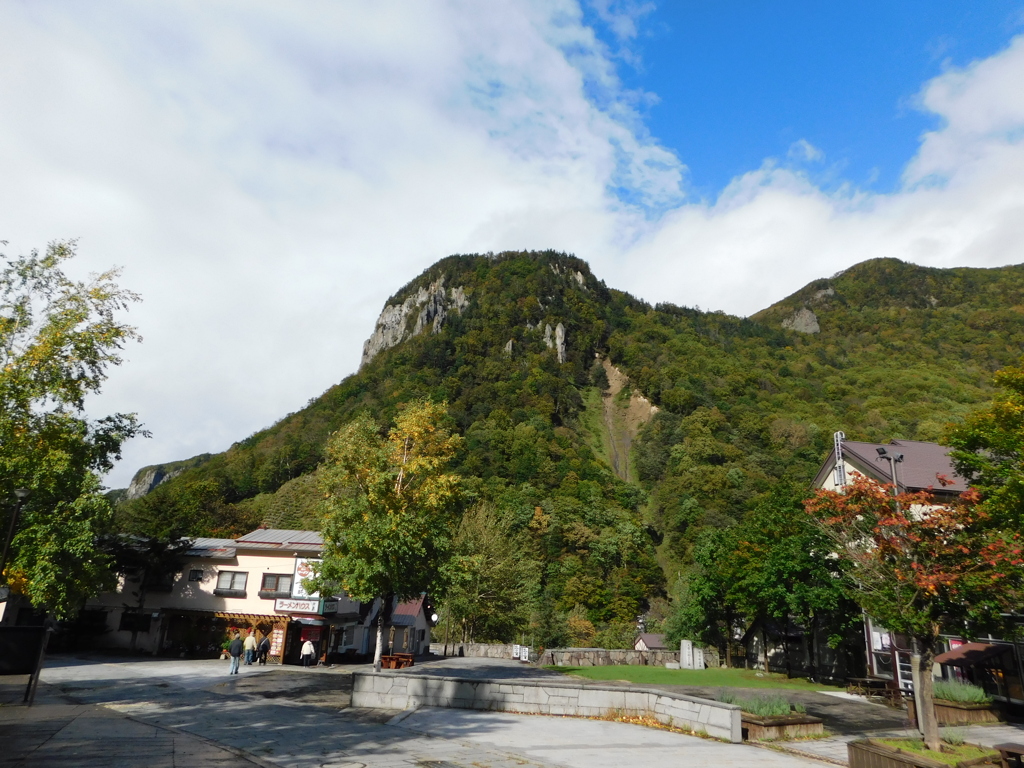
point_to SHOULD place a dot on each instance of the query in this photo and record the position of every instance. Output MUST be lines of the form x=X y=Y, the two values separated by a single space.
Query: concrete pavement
x=261 y=717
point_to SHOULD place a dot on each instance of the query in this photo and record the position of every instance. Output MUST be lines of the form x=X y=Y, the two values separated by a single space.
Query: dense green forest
x=741 y=408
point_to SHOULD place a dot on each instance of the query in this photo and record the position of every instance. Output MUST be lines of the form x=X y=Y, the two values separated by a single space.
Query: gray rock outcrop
x=803 y=321
x=148 y=478
x=431 y=305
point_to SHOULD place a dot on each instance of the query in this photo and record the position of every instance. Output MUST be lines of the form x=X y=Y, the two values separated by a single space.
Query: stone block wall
x=480 y=650
x=604 y=657
x=403 y=691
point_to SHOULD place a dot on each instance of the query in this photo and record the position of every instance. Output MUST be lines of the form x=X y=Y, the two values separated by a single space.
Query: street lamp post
x=21 y=494
x=894 y=459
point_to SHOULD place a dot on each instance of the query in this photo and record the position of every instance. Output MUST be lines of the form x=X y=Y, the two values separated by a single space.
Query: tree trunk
x=141 y=606
x=380 y=638
x=812 y=656
x=924 y=693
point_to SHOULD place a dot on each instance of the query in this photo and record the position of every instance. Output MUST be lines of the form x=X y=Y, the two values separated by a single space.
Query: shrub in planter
x=960 y=704
x=911 y=753
x=773 y=717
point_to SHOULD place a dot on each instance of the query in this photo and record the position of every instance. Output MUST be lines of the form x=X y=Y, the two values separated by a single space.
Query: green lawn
x=721 y=678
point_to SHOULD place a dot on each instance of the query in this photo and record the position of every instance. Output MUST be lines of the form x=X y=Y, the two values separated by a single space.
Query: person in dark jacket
x=235 y=650
x=264 y=649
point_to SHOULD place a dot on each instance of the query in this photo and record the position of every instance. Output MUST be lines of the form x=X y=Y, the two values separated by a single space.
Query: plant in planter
x=912 y=753
x=959 y=703
x=773 y=717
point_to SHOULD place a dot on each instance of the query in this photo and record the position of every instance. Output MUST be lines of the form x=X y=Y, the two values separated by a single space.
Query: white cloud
x=961 y=203
x=803 y=151
x=268 y=174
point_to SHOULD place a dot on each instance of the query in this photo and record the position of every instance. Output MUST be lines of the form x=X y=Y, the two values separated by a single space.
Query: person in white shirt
x=308 y=653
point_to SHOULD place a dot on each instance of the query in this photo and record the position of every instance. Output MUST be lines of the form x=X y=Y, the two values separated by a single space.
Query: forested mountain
x=607 y=433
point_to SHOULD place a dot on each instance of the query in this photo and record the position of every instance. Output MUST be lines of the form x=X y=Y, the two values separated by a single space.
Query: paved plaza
x=171 y=714
x=157 y=713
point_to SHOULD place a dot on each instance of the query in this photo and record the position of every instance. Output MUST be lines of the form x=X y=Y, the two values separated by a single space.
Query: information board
x=276 y=641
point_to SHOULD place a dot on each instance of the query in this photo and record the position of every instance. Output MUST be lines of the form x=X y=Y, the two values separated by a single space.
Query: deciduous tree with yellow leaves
x=58 y=339
x=390 y=510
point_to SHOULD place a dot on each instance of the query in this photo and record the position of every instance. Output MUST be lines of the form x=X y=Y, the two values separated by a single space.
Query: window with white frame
x=231 y=581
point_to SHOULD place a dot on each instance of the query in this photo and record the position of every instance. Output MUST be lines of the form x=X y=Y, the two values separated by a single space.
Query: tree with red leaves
x=920 y=565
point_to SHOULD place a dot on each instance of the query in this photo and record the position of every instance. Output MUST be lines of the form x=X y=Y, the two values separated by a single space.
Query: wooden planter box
x=868 y=753
x=780 y=727
x=957 y=713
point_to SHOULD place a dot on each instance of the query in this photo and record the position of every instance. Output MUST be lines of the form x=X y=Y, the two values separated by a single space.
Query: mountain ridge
x=609 y=507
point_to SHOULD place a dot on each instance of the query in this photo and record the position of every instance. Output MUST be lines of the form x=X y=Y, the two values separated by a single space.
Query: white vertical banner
x=303 y=570
x=698 y=658
x=686 y=654
x=515 y=651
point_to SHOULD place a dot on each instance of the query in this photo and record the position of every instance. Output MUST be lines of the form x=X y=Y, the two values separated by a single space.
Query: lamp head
x=882 y=451
x=897 y=457
x=22 y=493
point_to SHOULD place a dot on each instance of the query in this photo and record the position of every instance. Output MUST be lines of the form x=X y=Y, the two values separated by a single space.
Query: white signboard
x=686 y=654
x=698 y=658
x=303 y=570
x=524 y=653
x=515 y=651
x=286 y=605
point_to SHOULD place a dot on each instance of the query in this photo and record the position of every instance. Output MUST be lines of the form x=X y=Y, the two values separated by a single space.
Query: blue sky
x=268 y=173
x=738 y=81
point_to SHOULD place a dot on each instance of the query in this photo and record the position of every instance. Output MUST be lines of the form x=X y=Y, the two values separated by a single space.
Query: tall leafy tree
x=782 y=567
x=58 y=339
x=988 y=449
x=491 y=583
x=919 y=565
x=390 y=510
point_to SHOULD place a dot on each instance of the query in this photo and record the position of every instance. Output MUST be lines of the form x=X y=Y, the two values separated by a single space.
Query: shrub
x=770 y=705
x=963 y=693
x=954 y=736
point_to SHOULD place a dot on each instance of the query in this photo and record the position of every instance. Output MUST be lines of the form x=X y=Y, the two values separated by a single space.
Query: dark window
x=196 y=574
x=423 y=635
x=276 y=585
x=231 y=584
x=273 y=582
x=133 y=621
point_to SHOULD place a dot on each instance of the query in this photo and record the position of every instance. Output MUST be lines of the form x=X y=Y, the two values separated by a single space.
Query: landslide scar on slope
x=621 y=418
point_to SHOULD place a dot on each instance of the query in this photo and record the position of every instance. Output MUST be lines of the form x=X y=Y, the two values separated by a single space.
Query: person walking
x=263 y=650
x=308 y=653
x=235 y=650
x=250 y=647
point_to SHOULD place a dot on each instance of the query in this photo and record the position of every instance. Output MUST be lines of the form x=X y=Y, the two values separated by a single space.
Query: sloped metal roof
x=214 y=548
x=281 y=538
x=920 y=469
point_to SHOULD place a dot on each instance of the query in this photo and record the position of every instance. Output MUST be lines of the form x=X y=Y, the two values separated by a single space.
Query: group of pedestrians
x=252 y=650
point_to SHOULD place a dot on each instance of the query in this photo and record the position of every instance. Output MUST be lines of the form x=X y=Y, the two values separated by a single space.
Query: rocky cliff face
x=430 y=305
x=148 y=478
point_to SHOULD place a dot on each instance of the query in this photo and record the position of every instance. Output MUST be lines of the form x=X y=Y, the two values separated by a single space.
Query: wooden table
x=1010 y=755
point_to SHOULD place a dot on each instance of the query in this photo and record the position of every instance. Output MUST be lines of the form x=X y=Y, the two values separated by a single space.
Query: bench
x=1010 y=754
x=397 y=661
x=875 y=687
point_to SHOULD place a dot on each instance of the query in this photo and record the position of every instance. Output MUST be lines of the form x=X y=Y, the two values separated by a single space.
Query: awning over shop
x=971 y=654
x=253 y=618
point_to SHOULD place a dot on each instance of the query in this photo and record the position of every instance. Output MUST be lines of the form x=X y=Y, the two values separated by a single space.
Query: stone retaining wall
x=403 y=691
x=484 y=650
x=604 y=657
